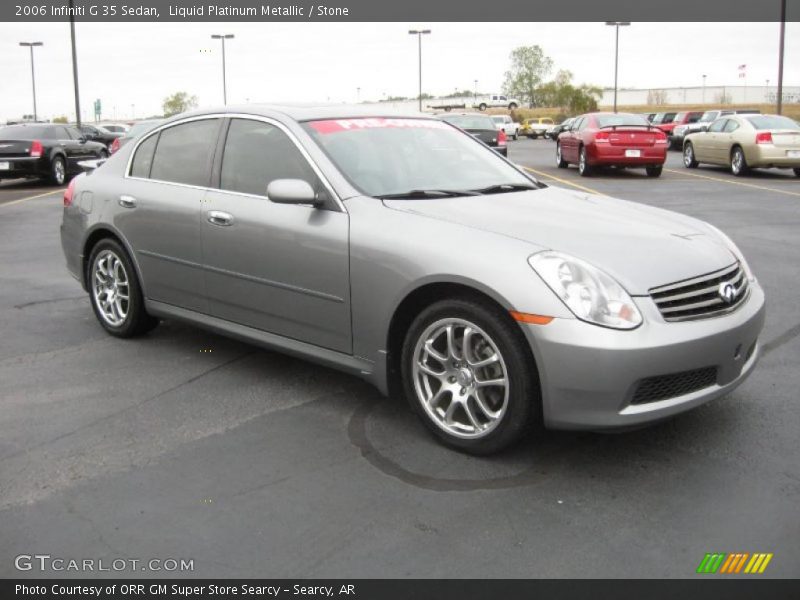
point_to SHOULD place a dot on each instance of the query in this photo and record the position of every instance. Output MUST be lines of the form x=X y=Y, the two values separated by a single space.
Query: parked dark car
x=612 y=139
x=482 y=127
x=134 y=132
x=49 y=151
x=95 y=133
x=555 y=130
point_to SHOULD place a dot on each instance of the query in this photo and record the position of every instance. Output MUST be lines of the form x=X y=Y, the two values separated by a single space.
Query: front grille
x=700 y=297
x=663 y=387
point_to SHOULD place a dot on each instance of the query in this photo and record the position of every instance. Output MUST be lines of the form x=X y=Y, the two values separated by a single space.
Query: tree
x=529 y=66
x=61 y=119
x=561 y=93
x=178 y=102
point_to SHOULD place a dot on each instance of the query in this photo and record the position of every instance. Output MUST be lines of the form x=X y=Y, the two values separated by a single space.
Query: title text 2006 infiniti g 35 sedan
x=403 y=250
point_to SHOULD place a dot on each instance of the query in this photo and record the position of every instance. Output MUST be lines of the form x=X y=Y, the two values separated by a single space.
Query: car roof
x=309 y=112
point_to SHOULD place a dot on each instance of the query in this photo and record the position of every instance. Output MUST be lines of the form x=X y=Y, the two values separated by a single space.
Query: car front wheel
x=115 y=292
x=654 y=171
x=797 y=172
x=469 y=376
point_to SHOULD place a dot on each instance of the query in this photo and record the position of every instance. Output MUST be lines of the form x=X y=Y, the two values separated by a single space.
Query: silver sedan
x=403 y=250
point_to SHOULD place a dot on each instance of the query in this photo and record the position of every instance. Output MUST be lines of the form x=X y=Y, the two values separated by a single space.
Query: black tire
x=534 y=136
x=584 y=168
x=738 y=162
x=689 y=159
x=515 y=136
x=560 y=162
x=58 y=171
x=512 y=106
x=136 y=321
x=654 y=171
x=523 y=406
x=102 y=154
x=797 y=172
x=482 y=106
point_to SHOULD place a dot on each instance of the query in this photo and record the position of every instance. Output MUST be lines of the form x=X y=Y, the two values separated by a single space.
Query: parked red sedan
x=612 y=139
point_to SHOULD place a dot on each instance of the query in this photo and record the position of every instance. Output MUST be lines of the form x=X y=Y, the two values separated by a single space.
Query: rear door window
x=183 y=153
x=718 y=125
x=256 y=153
x=730 y=126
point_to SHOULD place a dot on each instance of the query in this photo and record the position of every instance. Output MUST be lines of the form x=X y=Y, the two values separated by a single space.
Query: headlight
x=590 y=294
x=735 y=251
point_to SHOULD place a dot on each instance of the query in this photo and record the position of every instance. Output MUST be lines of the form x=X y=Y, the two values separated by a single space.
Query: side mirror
x=292 y=191
x=83 y=139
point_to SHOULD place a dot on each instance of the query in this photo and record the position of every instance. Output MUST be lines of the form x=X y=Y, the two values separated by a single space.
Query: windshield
x=773 y=122
x=25 y=132
x=387 y=156
x=470 y=121
x=498 y=119
x=621 y=120
x=709 y=116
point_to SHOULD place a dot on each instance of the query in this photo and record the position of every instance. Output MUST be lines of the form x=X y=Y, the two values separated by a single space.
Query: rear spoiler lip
x=90 y=165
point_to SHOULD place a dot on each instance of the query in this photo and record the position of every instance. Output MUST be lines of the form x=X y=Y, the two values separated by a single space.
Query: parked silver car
x=404 y=251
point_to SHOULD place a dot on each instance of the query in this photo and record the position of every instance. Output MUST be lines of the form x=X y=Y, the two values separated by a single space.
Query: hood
x=640 y=246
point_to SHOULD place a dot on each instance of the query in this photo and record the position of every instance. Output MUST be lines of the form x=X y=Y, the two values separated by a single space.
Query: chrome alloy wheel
x=59 y=172
x=111 y=288
x=460 y=378
x=737 y=161
x=688 y=155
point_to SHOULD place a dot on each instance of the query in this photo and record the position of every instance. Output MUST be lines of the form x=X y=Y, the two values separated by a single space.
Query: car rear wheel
x=467 y=375
x=654 y=171
x=797 y=172
x=482 y=106
x=560 y=162
x=115 y=292
x=689 y=161
x=58 y=171
x=583 y=164
x=515 y=136
x=738 y=161
x=512 y=106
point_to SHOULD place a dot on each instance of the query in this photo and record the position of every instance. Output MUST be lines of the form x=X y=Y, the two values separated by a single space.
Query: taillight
x=661 y=138
x=36 y=149
x=114 y=145
x=602 y=137
x=502 y=138
x=764 y=137
x=68 y=193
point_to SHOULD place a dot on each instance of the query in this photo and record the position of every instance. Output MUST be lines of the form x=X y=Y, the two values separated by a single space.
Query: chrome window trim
x=269 y=120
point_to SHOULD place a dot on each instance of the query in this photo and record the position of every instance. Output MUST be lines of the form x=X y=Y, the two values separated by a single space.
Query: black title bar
x=523 y=12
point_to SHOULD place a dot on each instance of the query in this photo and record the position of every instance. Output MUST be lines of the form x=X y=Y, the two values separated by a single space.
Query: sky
x=132 y=67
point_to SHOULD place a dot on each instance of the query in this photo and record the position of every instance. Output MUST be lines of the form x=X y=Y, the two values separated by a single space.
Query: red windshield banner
x=338 y=125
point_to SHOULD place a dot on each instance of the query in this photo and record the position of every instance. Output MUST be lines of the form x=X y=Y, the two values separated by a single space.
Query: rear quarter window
x=183 y=153
x=143 y=159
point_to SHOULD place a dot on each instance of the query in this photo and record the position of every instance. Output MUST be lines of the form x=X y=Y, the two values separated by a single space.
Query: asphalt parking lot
x=184 y=444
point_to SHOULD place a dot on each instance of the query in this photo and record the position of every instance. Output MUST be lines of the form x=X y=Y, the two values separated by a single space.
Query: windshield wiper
x=411 y=194
x=500 y=188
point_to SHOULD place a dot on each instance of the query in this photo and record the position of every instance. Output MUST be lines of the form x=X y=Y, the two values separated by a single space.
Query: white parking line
x=742 y=183
x=31 y=197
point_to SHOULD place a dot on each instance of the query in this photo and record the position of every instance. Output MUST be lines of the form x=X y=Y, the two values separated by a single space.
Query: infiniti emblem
x=727 y=292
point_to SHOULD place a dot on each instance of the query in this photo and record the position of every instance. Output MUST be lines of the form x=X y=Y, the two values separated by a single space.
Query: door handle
x=217 y=217
x=126 y=201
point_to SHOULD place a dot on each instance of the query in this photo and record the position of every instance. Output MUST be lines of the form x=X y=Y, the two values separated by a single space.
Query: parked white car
x=495 y=101
x=507 y=124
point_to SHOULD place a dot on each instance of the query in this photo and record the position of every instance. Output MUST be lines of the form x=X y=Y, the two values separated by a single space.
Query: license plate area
x=5 y=166
x=633 y=153
x=789 y=154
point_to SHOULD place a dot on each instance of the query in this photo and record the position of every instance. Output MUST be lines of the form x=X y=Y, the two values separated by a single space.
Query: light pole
x=704 y=89
x=32 y=45
x=616 y=25
x=358 y=95
x=779 y=104
x=475 y=99
x=223 y=37
x=419 y=33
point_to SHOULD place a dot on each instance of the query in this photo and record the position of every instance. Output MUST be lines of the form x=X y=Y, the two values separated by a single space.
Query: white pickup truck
x=507 y=124
x=495 y=101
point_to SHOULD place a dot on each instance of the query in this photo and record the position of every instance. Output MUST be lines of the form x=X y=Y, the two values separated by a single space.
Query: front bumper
x=589 y=374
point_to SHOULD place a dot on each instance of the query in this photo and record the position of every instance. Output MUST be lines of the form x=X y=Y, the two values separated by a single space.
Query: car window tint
x=143 y=159
x=730 y=126
x=62 y=133
x=183 y=152
x=257 y=153
x=773 y=122
x=694 y=117
x=74 y=133
x=718 y=126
